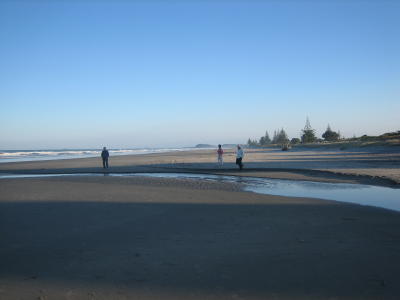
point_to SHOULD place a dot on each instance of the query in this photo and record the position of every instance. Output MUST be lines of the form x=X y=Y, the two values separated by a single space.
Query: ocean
x=33 y=155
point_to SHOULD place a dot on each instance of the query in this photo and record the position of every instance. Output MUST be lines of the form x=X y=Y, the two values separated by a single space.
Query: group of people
x=239 y=156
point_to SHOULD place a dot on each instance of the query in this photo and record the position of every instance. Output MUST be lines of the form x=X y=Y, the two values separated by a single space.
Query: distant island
x=215 y=146
x=205 y=146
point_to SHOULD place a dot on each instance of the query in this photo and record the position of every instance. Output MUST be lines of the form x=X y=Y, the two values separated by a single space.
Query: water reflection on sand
x=384 y=197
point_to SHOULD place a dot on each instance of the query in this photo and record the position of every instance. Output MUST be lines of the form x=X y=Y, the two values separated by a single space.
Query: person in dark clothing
x=104 y=156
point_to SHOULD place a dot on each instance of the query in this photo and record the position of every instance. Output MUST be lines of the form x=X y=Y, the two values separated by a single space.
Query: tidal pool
x=384 y=197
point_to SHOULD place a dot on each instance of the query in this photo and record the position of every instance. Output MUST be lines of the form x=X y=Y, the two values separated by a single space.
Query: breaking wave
x=31 y=155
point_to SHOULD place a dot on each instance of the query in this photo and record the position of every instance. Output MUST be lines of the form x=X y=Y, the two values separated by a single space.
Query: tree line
x=307 y=136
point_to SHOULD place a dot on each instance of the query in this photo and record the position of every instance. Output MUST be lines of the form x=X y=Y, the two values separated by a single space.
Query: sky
x=87 y=74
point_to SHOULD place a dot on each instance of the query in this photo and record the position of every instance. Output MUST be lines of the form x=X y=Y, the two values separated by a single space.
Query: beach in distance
x=376 y=165
x=141 y=237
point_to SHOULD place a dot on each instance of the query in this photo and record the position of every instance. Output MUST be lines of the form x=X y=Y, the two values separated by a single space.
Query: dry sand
x=151 y=238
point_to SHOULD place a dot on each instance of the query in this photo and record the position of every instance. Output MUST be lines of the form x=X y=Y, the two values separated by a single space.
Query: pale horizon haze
x=87 y=74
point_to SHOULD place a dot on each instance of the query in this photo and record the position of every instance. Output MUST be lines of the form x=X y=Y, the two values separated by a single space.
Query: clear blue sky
x=169 y=73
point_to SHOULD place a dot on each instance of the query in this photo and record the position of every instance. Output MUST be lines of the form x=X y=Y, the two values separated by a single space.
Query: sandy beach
x=115 y=119
x=363 y=165
x=86 y=237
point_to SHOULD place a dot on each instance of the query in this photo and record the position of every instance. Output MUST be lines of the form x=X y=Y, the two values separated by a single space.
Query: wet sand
x=106 y=237
x=152 y=238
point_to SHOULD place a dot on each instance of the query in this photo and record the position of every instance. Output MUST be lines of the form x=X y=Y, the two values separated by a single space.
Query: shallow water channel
x=384 y=197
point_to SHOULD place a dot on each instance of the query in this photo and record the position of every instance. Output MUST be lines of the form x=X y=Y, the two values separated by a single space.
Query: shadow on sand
x=294 y=251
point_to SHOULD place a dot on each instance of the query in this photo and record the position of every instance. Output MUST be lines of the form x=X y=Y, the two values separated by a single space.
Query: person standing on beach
x=104 y=156
x=220 y=152
x=239 y=157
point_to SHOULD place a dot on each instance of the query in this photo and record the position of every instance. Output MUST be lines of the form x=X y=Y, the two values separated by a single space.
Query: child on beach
x=239 y=157
x=220 y=152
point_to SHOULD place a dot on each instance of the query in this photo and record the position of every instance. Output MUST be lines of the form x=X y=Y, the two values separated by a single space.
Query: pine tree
x=308 y=135
x=267 y=139
x=282 y=137
x=252 y=143
x=274 y=138
x=330 y=135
